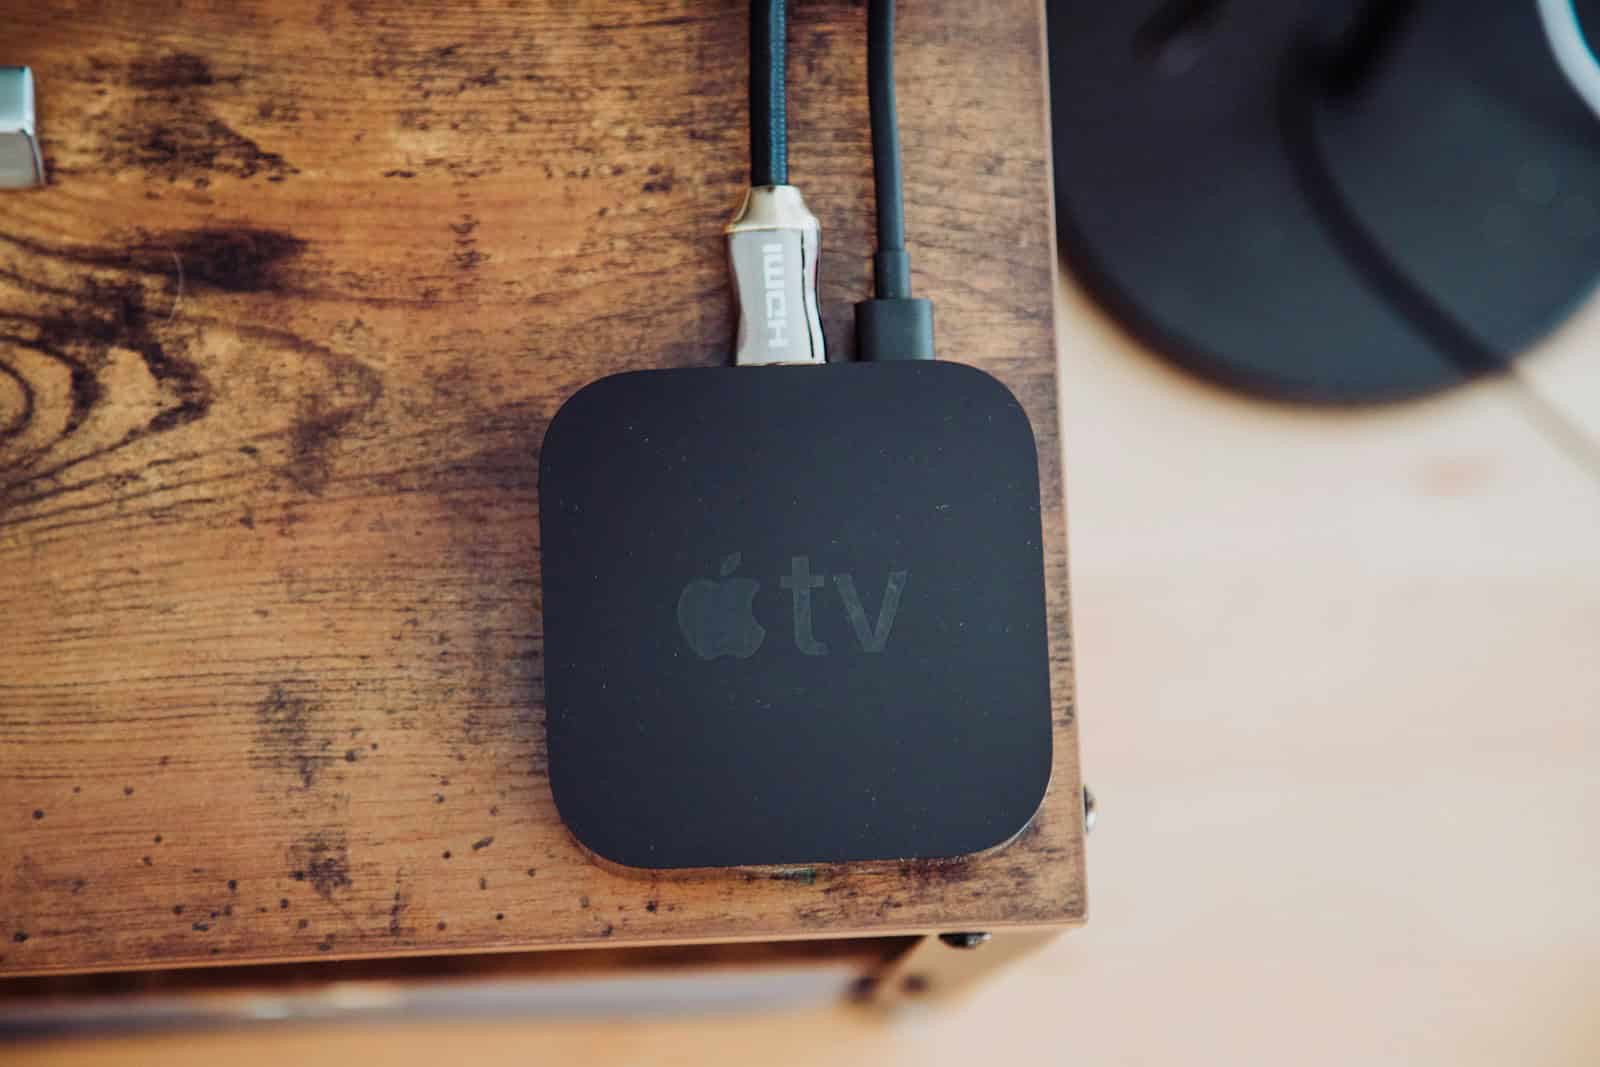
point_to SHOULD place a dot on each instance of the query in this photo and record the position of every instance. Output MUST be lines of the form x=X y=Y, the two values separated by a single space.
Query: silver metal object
x=975 y=939
x=1090 y=816
x=773 y=244
x=21 y=166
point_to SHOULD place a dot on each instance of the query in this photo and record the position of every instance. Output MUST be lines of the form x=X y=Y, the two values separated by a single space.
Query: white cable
x=1573 y=54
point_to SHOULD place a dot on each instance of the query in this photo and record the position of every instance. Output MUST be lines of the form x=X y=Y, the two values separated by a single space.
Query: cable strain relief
x=894 y=329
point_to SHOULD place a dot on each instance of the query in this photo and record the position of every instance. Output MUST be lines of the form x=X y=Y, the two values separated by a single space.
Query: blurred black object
x=1325 y=202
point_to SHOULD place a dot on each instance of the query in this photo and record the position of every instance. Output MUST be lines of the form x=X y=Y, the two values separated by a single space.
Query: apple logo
x=715 y=617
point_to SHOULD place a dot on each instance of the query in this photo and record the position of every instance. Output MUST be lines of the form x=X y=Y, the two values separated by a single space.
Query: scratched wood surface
x=277 y=349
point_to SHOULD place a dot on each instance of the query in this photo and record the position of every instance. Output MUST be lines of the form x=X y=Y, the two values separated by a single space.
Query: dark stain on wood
x=466 y=256
x=229 y=259
x=179 y=70
x=165 y=125
x=290 y=735
x=323 y=859
x=398 y=905
x=939 y=872
x=661 y=181
x=77 y=329
x=232 y=259
x=323 y=416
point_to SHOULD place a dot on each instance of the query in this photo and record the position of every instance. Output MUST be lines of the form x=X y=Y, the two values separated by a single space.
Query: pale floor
x=1340 y=691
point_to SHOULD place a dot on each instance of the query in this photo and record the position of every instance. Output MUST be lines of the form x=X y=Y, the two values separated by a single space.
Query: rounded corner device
x=794 y=615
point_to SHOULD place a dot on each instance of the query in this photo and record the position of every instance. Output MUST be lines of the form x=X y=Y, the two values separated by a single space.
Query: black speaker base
x=1319 y=205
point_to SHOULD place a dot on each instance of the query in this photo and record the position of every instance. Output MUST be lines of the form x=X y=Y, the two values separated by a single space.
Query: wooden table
x=277 y=349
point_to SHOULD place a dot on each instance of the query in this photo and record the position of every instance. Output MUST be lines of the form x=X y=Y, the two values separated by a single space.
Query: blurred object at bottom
x=564 y=984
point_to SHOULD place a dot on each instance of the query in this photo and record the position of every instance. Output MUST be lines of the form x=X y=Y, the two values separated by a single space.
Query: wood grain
x=277 y=349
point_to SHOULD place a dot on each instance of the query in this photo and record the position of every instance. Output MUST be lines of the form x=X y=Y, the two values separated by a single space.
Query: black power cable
x=769 y=123
x=892 y=267
x=893 y=325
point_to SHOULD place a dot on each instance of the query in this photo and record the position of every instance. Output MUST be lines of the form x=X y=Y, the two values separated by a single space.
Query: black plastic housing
x=794 y=615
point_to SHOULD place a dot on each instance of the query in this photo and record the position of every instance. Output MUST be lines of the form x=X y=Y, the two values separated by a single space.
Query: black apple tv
x=794 y=615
